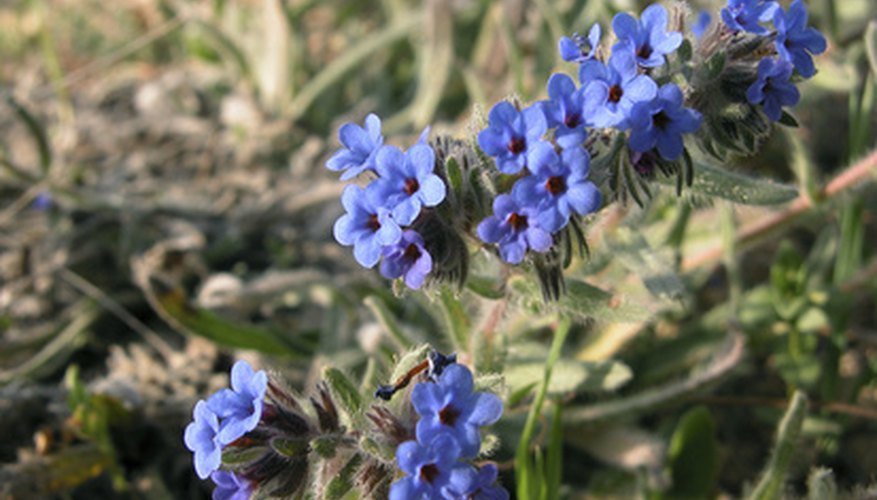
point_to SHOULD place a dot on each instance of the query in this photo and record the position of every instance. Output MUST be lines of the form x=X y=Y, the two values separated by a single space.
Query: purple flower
x=407 y=258
x=615 y=88
x=367 y=225
x=745 y=15
x=201 y=438
x=661 y=122
x=43 y=201
x=795 y=41
x=578 y=48
x=514 y=229
x=701 y=23
x=565 y=109
x=772 y=89
x=430 y=469
x=360 y=146
x=479 y=484
x=510 y=133
x=648 y=37
x=558 y=187
x=230 y=486
x=448 y=407
x=406 y=181
x=240 y=407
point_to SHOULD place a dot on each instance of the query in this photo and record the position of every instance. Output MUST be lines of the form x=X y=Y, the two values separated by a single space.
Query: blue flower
x=514 y=229
x=615 y=88
x=510 y=133
x=429 y=468
x=43 y=201
x=367 y=225
x=772 y=89
x=795 y=41
x=578 y=48
x=565 y=109
x=406 y=181
x=648 y=37
x=480 y=484
x=360 y=146
x=661 y=122
x=230 y=486
x=701 y=23
x=240 y=407
x=558 y=186
x=448 y=407
x=201 y=438
x=745 y=15
x=408 y=257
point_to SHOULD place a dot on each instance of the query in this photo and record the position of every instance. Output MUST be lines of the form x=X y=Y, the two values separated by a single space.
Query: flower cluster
x=448 y=433
x=794 y=45
x=644 y=96
x=377 y=216
x=222 y=419
x=258 y=439
x=619 y=93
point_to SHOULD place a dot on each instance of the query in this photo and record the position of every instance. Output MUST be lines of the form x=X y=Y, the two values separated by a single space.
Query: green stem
x=524 y=473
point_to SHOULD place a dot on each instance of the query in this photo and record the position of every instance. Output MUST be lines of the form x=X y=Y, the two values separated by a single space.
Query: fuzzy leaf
x=239 y=455
x=714 y=181
x=582 y=301
x=526 y=366
x=655 y=271
x=289 y=447
x=774 y=476
x=344 y=391
x=342 y=482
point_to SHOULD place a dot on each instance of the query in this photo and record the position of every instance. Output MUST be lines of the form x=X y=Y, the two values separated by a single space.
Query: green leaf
x=788 y=120
x=290 y=447
x=582 y=301
x=714 y=181
x=871 y=45
x=385 y=317
x=715 y=65
x=342 y=482
x=655 y=270
x=489 y=288
x=457 y=321
x=770 y=486
x=685 y=51
x=239 y=455
x=409 y=360
x=525 y=366
x=344 y=391
x=554 y=460
x=528 y=475
x=37 y=131
x=173 y=306
x=693 y=455
x=454 y=174
x=723 y=361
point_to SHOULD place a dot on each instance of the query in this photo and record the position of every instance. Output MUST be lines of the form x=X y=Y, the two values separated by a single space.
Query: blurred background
x=164 y=209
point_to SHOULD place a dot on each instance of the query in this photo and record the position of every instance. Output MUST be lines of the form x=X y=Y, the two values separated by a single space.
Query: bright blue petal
x=432 y=190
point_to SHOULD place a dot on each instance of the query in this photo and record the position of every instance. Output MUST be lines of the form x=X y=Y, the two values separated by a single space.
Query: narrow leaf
x=714 y=181
x=582 y=301
x=770 y=486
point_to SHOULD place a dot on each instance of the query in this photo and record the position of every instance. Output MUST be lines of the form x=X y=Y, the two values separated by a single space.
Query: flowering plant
x=505 y=218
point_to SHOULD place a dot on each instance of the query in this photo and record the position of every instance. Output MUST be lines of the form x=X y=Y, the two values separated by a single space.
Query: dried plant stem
x=829 y=406
x=117 y=310
x=758 y=230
